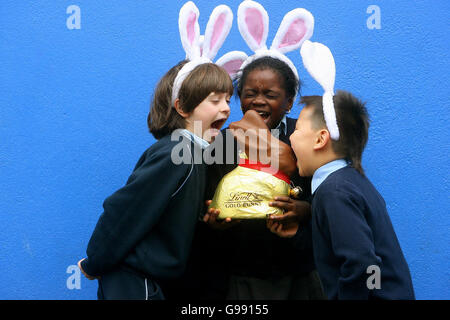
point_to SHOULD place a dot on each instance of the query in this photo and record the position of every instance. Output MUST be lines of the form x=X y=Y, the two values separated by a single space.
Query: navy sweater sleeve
x=302 y=240
x=341 y=216
x=131 y=212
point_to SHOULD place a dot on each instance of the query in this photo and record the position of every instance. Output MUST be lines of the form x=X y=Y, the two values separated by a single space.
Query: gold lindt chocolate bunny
x=262 y=174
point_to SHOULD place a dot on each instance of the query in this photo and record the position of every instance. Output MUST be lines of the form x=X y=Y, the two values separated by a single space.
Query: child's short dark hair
x=163 y=118
x=353 y=122
x=291 y=83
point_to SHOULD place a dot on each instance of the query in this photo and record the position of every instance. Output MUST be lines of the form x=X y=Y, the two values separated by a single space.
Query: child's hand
x=211 y=215
x=85 y=274
x=256 y=139
x=283 y=229
x=294 y=210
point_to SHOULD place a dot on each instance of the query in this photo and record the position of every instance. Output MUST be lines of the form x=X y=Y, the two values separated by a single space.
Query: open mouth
x=218 y=124
x=214 y=129
x=264 y=114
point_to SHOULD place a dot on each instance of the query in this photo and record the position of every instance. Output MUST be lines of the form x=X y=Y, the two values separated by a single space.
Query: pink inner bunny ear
x=294 y=34
x=296 y=27
x=232 y=62
x=190 y=27
x=217 y=30
x=253 y=23
x=232 y=66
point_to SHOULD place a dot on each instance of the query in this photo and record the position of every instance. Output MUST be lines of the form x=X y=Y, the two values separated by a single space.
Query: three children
x=143 y=238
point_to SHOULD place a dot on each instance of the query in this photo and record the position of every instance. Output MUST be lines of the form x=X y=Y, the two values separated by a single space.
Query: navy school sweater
x=351 y=232
x=148 y=224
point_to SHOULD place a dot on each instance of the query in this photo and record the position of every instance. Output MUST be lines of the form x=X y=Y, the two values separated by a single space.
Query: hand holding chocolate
x=262 y=174
x=261 y=146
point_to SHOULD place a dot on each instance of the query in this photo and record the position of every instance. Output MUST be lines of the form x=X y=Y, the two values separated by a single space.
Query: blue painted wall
x=73 y=107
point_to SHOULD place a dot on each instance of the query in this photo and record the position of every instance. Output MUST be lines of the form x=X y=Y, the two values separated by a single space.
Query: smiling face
x=209 y=116
x=263 y=91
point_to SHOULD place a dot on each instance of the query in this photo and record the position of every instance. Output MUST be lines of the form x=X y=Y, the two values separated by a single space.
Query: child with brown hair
x=145 y=232
x=143 y=238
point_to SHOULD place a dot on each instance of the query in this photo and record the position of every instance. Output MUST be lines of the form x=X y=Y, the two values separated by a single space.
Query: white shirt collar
x=280 y=127
x=194 y=138
x=324 y=171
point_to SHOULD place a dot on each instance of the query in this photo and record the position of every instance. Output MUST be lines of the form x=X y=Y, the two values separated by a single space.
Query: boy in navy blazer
x=356 y=251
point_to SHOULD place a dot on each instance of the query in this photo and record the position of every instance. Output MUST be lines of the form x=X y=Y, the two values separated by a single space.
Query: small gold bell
x=295 y=192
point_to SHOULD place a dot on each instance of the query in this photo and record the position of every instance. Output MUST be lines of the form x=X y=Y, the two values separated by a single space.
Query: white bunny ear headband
x=231 y=61
x=296 y=27
x=202 y=49
x=319 y=62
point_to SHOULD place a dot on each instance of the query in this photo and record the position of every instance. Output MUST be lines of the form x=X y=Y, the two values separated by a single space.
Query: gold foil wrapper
x=245 y=193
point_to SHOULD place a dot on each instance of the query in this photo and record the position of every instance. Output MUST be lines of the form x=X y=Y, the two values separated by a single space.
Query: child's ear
x=289 y=105
x=322 y=139
x=179 y=109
